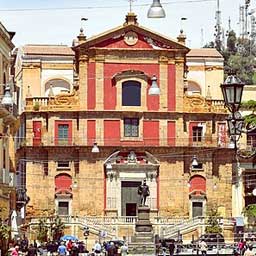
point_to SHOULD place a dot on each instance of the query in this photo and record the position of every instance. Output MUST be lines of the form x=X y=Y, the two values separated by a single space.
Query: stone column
x=99 y=70
x=179 y=65
x=163 y=80
x=83 y=81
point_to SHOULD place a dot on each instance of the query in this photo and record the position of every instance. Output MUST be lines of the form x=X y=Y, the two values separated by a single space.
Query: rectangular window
x=131 y=127
x=197 y=133
x=63 y=164
x=63 y=134
x=63 y=208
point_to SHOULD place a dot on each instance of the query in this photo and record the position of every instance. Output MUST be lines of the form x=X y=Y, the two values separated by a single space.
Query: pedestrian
x=69 y=246
x=203 y=247
x=124 y=250
x=112 y=250
x=97 y=247
x=15 y=251
x=32 y=251
x=249 y=251
x=62 y=250
x=171 y=247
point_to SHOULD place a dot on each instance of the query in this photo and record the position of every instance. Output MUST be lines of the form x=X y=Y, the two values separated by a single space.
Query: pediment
x=132 y=36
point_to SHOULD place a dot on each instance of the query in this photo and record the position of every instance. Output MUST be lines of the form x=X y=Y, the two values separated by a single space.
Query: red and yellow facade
x=139 y=136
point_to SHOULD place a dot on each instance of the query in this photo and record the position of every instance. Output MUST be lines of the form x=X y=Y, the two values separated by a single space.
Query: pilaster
x=99 y=73
x=179 y=63
x=163 y=78
x=163 y=132
x=83 y=84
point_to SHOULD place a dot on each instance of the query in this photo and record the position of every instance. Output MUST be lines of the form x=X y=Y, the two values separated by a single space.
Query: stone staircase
x=110 y=227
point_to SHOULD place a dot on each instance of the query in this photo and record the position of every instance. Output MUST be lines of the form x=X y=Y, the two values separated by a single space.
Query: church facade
x=90 y=136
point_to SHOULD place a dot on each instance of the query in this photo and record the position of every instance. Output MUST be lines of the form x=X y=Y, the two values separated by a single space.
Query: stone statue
x=143 y=191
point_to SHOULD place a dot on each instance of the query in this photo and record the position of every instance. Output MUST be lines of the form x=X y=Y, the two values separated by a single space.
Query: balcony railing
x=142 y=142
x=192 y=104
x=61 y=101
x=198 y=104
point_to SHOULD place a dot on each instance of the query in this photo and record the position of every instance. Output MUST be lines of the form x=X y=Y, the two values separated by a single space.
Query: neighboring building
x=206 y=72
x=8 y=126
x=139 y=136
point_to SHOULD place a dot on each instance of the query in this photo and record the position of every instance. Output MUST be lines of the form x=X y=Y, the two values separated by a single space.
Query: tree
x=244 y=66
x=250 y=212
x=231 y=42
x=212 y=223
x=4 y=236
x=42 y=231
x=57 y=228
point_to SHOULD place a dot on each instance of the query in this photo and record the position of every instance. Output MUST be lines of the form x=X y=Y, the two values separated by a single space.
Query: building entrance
x=129 y=198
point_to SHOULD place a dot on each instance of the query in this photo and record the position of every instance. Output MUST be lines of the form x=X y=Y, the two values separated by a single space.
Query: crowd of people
x=67 y=248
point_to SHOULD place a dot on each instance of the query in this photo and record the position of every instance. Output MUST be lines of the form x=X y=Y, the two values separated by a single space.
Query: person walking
x=97 y=247
x=32 y=251
x=124 y=250
x=203 y=247
x=171 y=248
x=62 y=250
x=249 y=251
x=15 y=251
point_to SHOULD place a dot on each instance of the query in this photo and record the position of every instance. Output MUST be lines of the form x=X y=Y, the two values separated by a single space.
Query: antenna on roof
x=130 y=2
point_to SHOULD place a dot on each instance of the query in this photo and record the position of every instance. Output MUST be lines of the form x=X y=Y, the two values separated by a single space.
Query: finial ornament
x=130 y=2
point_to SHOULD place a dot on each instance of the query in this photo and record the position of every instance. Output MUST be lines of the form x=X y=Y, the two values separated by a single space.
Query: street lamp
x=232 y=90
x=154 y=89
x=156 y=10
x=7 y=100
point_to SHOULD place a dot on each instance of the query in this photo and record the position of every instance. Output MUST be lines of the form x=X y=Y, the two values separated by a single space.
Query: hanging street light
x=232 y=90
x=156 y=10
x=154 y=89
x=194 y=163
x=7 y=100
x=95 y=148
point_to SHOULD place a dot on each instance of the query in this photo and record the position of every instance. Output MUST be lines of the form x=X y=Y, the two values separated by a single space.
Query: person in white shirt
x=97 y=247
x=203 y=247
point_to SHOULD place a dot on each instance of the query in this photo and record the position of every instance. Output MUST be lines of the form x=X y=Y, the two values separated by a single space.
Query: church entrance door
x=129 y=198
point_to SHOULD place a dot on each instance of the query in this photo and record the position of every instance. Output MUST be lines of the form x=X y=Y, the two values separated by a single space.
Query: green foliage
x=250 y=210
x=57 y=228
x=249 y=105
x=4 y=231
x=42 y=231
x=36 y=107
x=212 y=224
x=243 y=65
x=239 y=56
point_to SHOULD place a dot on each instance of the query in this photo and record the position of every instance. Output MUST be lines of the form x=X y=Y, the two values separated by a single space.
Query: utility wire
x=97 y=7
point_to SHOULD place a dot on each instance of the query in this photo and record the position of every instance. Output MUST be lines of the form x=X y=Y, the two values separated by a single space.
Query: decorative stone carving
x=197 y=103
x=132 y=158
x=64 y=99
x=152 y=175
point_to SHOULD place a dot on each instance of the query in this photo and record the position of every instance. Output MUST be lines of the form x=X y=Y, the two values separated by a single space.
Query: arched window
x=56 y=86
x=63 y=182
x=197 y=183
x=193 y=88
x=131 y=93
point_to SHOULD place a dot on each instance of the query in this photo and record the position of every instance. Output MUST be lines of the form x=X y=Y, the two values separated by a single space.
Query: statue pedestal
x=143 y=241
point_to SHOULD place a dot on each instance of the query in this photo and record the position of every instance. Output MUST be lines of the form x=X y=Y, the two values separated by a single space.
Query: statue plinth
x=143 y=241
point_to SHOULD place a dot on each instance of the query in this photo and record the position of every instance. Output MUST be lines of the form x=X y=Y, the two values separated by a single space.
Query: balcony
x=67 y=102
x=50 y=141
x=198 y=104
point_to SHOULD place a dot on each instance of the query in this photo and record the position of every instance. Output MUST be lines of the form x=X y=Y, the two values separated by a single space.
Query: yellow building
x=8 y=126
x=94 y=130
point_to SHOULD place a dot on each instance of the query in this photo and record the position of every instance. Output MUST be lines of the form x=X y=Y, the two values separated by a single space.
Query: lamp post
x=232 y=90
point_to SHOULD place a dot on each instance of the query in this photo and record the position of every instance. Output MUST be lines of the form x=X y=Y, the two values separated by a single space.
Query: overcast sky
x=61 y=26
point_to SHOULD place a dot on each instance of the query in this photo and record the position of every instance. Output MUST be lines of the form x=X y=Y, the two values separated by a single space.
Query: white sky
x=62 y=26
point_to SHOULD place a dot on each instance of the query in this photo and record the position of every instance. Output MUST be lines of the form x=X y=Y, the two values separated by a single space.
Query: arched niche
x=56 y=86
